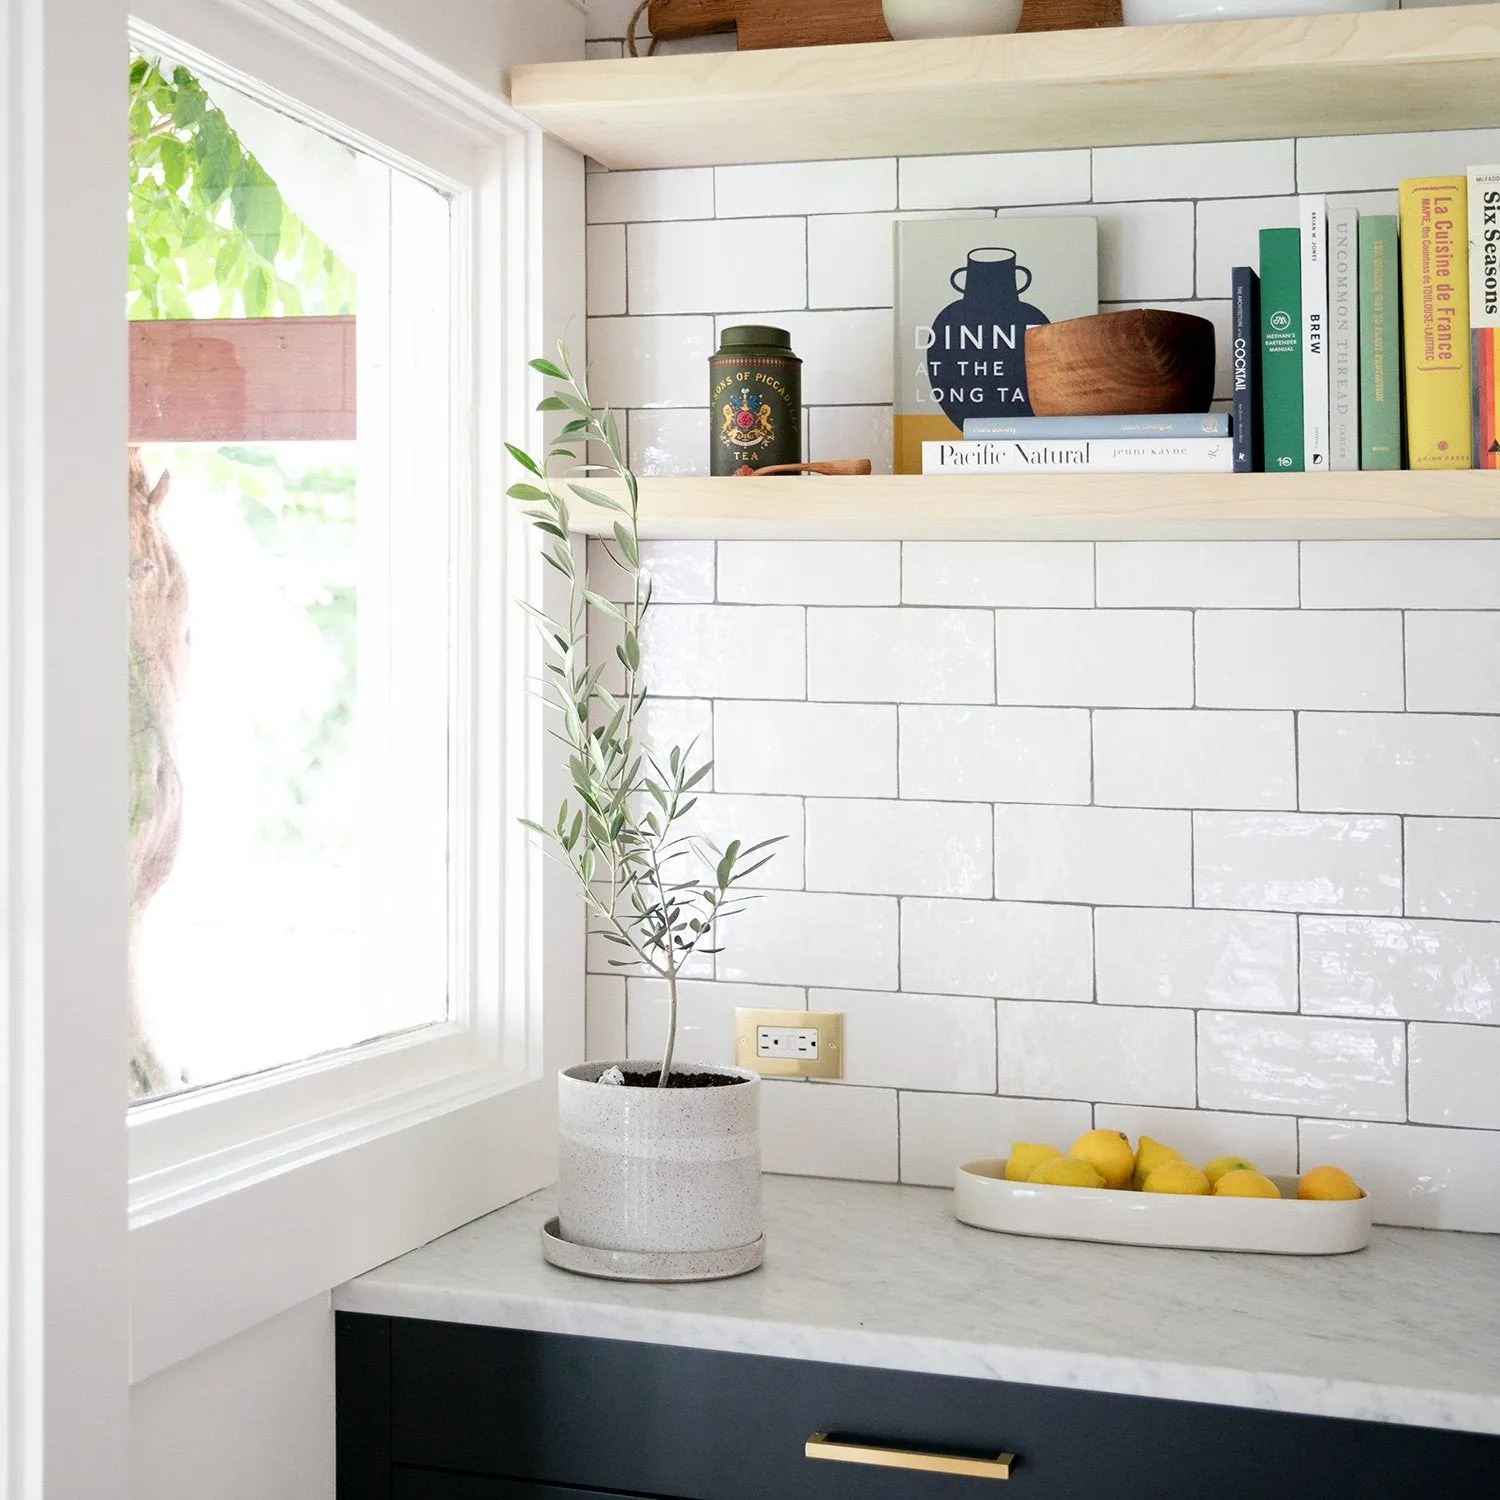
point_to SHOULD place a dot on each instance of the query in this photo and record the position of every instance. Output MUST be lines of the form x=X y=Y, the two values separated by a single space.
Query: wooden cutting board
x=816 y=23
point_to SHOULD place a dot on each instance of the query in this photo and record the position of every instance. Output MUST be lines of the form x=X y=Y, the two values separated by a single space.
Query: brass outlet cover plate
x=829 y=1063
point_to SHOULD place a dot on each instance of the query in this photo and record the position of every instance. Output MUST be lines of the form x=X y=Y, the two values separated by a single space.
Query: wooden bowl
x=1143 y=362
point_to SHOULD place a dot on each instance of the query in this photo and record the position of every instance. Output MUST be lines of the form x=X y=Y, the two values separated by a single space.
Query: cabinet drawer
x=698 y=1425
x=423 y=1484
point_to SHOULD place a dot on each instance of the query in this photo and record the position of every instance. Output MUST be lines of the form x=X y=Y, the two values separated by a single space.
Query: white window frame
x=253 y=1195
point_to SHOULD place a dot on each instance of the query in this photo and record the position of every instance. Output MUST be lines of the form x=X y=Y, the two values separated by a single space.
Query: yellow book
x=1435 y=322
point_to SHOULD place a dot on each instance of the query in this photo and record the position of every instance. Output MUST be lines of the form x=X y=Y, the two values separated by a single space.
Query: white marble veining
x=868 y=1274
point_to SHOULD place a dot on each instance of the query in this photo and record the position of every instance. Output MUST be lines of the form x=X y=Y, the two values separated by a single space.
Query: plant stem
x=666 y=1064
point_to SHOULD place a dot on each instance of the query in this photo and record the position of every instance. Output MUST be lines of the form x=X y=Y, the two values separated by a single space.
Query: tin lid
x=754 y=333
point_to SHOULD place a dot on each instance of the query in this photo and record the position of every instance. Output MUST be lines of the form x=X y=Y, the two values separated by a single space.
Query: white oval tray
x=1286 y=1226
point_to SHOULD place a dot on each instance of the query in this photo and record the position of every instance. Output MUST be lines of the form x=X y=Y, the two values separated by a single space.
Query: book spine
x=1281 y=349
x=1031 y=429
x=1244 y=344
x=1379 y=344
x=1435 y=322
x=1484 y=312
x=1313 y=215
x=1343 y=338
x=1109 y=456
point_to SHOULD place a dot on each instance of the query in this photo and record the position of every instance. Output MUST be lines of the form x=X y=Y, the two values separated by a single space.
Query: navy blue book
x=1244 y=345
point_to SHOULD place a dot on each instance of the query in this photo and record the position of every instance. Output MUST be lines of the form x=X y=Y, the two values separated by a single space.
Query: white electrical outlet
x=786 y=1041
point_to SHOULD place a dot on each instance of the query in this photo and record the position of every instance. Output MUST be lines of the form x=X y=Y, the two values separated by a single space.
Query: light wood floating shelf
x=1095 y=507
x=1227 y=80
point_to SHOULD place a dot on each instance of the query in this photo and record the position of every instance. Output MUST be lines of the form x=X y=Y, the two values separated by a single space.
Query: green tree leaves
x=209 y=230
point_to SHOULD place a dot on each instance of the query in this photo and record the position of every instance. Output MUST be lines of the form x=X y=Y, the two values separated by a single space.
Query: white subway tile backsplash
x=1428 y=1178
x=808 y=937
x=604 y=254
x=610 y=18
x=807 y=1130
x=1198 y=575
x=1455 y=1075
x=1107 y=856
x=650 y=361
x=705 y=1015
x=1405 y=763
x=1122 y=1054
x=1453 y=868
x=806 y=187
x=1229 y=236
x=806 y=749
x=850 y=257
x=846 y=356
x=1109 y=658
x=944 y=1042
x=664 y=724
x=1033 y=575
x=1194 y=171
x=680 y=572
x=941 y=1131
x=1297 y=862
x=1299 y=659
x=996 y=948
x=1216 y=960
x=1401 y=575
x=1401 y=970
x=604 y=1017
x=1311 y=1065
x=1146 y=252
x=1194 y=758
x=1453 y=662
x=1346 y=163
x=724 y=651
x=603 y=51
x=669 y=440
x=726 y=816
x=1003 y=180
x=995 y=754
x=637 y=197
x=900 y=655
x=849 y=573
x=850 y=432
x=889 y=848
x=685 y=267
x=1270 y=1141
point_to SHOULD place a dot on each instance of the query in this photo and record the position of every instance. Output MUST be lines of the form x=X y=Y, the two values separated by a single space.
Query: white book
x=1313 y=215
x=1082 y=455
x=1343 y=338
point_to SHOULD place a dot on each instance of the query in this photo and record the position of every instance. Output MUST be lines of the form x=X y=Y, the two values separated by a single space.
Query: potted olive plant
x=661 y=1158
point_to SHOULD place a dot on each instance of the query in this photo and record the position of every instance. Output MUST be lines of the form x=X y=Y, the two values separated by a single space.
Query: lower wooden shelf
x=1099 y=507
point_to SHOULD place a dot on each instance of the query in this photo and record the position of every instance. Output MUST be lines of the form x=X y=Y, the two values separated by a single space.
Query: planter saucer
x=650 y=1265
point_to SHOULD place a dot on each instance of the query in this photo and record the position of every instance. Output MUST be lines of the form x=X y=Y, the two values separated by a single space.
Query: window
x=290 y=525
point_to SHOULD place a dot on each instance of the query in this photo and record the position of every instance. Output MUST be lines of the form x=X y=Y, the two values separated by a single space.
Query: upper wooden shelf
x=1226 y=80
x=1095 y=507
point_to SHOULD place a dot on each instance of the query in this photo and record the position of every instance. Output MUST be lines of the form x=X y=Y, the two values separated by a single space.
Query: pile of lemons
x=1105 y=1159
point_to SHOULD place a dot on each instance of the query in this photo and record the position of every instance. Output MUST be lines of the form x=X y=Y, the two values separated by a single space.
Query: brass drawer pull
x=820 y=1445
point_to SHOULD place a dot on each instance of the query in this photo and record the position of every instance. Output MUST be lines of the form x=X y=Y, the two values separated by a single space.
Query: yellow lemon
x=1067 y=1171
x=1108 y=1153
x=1222 y=1164
x=1244 y=1182
x=1328 y=1183
x=1178 y=1177
x=1025 y=1158
x=1149 y=1155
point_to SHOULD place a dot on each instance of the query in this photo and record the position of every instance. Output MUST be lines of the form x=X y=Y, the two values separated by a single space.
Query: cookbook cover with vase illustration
x=966 y=291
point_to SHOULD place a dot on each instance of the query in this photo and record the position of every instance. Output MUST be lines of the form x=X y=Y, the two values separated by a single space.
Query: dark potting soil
x=679 y=1080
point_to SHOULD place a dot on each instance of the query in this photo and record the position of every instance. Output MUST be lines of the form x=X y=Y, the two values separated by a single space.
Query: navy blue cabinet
x=445 y=1411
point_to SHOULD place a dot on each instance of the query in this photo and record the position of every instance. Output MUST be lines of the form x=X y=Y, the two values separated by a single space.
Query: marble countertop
x=1405 y=1331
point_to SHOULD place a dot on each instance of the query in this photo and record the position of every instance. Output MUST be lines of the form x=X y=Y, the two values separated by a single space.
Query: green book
x=1281 y=348
x=1379 y=344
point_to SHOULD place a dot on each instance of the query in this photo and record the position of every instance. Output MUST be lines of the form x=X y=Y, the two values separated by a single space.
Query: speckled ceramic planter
x=658 y=1169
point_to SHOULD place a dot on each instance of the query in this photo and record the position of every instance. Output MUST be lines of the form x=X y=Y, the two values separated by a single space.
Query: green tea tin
x=755 y=400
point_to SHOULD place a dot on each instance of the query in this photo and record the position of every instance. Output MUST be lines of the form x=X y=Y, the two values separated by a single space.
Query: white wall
x=1198 y=840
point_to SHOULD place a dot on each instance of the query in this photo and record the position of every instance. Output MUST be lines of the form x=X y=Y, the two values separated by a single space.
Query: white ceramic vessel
x=1285 y=1226
x=658 y=1170
x=912 y=20
x=1170 y=12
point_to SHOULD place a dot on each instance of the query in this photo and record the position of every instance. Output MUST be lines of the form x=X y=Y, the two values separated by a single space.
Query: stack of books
x=1319 y=335
x=1180 y=444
